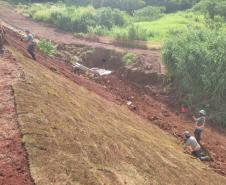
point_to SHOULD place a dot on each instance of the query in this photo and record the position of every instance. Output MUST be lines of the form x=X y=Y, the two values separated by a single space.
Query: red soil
x=13 y=157
x=150 y=102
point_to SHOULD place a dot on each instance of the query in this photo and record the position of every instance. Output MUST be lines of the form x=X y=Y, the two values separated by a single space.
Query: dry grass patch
x=74 y=136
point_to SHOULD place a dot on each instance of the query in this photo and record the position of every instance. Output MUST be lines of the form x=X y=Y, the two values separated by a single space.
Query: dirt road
x=150 y=102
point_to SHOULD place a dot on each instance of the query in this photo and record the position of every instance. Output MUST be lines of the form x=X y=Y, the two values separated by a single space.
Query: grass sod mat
x=74 y=136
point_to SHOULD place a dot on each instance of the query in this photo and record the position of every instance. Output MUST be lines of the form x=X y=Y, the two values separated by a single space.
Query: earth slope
x=74 y=136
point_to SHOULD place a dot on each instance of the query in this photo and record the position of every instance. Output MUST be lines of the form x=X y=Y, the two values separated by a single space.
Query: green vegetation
x=73 y=136
x=199 y=69
x=45 y=47
x=103 y=21
x=118 y=24
x=148 y=13
x=87 y=73
x=129 y=58
x=172 y=24
x=88 y=52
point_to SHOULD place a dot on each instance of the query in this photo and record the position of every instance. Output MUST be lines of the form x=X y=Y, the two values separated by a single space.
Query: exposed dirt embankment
x=14 y=168
x=144 y=69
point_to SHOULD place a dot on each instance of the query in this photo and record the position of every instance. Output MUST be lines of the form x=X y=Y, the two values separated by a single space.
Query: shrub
x=148 y=13
x=99 y=30
x=120 y=18
x=43 y=15
x=104 y=17
x=136 y=32
x=75 y=19
x=120 y=33
x=45 y=47
x=129 y=58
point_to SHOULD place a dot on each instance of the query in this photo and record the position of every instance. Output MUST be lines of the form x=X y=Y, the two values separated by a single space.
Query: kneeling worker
x=30 y=41
x=194 y=146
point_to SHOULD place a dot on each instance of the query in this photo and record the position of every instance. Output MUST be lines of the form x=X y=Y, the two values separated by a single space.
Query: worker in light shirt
x=194 y=146
x=200 y=123
x=30 y=41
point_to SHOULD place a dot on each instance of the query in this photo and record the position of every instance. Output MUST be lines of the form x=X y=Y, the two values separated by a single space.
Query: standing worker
x=2 y=32
x=76 y=68
x=200 y=123
x=194 y=146
x=30 y=41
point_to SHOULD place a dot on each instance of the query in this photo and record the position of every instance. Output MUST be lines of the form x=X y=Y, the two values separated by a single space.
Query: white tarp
x=101 y=71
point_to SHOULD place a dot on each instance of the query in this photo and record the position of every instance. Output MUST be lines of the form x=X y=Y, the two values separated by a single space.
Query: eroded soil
x=13 y=157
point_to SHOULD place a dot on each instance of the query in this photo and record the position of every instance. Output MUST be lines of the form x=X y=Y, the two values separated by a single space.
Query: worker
x=76 y=68
x=104 y=62
x=30 y=41
x=2 y=33
x=194 y=146
x=200 y=123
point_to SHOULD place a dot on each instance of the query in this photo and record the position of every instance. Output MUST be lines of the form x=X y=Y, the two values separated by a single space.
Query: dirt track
x=151 y=103
x=13 y=158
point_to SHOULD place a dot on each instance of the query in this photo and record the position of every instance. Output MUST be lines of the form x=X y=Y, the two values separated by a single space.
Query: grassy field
x=171 y=24
x=74 y=136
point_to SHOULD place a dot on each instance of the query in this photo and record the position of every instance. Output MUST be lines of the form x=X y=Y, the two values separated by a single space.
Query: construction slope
x=74 y=136
x=14 y=169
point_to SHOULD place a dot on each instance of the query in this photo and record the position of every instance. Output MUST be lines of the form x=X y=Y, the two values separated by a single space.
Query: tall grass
x=197 y=61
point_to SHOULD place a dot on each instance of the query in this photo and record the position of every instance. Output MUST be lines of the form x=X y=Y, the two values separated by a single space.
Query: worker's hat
x=202 y=112
x=26 y=30
x=186 y=133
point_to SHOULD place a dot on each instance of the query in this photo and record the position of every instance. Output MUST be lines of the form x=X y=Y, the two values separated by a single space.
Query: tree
x=125 y=5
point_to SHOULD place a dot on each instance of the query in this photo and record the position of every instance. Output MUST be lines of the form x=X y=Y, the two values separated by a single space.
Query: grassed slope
x=74 y=136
